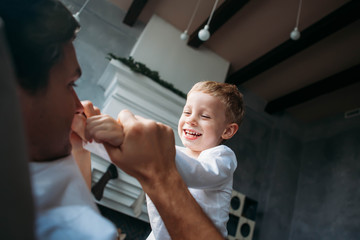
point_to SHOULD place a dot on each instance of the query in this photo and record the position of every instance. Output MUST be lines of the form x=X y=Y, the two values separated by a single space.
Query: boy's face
x=202 y=124
x=49 y=113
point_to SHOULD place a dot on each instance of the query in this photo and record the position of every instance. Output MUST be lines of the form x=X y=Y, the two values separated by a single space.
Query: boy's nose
x=191 y=120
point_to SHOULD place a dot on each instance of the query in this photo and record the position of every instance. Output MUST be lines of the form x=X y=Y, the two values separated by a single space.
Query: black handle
x=99 y=187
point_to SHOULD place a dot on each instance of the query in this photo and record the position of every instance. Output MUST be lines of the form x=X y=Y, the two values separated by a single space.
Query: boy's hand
x=89 y=109
x=79 y=124
x=104 y=129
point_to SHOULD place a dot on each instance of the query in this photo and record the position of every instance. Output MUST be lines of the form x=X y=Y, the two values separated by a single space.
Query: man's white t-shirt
x=64 y=206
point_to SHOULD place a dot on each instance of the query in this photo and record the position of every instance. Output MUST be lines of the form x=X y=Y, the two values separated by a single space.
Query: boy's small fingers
x=90 y=109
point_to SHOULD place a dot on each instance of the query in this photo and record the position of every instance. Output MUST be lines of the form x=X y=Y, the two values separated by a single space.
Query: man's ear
x=230 y=131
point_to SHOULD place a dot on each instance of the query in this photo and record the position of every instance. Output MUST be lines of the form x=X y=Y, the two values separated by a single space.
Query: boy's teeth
x=192 y=133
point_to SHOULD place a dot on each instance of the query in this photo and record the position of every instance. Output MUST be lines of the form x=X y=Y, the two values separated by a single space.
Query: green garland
x=142 y=69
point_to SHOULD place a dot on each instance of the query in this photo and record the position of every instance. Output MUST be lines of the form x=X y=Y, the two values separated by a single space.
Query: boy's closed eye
x=205 y=116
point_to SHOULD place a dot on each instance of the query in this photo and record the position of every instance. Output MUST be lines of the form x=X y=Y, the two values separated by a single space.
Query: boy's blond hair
x=228 y=94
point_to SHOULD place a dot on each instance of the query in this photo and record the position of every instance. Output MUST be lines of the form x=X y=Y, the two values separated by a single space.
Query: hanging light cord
x=83 y=6
x=193 y=15
x=298 y=14
x=212 y=12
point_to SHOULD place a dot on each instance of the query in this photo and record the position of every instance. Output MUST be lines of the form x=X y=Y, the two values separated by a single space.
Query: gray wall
x=304 y=177
x=269 y=157
x=102 y=32
x=328 y=196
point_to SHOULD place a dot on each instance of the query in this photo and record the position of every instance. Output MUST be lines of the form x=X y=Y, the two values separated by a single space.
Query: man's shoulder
x=74 y=222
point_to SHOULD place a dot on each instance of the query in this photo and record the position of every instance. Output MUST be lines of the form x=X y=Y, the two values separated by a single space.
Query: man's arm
x=148 y=154
x=182 y=215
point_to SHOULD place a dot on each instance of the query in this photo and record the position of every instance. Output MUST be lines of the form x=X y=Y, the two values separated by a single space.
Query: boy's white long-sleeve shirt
x=209 y=179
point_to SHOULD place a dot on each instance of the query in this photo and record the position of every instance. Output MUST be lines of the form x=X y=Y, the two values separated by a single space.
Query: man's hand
x=148 y=149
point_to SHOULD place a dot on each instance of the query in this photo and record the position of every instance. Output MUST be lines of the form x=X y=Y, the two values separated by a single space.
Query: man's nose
x=79 y=108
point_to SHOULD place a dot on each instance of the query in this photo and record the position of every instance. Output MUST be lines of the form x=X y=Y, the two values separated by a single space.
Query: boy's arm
x=148 y=154
x=215 y=166
x=82 y=156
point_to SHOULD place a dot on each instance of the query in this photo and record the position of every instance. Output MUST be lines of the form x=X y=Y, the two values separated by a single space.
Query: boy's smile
x=191 y=134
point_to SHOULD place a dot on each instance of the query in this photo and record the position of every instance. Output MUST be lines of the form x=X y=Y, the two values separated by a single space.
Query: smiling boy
x=211 y=115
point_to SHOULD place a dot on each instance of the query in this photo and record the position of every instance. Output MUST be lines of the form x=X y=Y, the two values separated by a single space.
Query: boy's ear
x=230 y=131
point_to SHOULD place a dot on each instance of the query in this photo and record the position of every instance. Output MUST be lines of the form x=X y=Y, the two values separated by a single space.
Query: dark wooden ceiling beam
x=221 y=15
x=134 y=11
x=327 y=85
x=340 y=18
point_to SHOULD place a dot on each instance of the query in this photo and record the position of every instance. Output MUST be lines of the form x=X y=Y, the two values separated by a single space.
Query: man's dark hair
x=36 y=32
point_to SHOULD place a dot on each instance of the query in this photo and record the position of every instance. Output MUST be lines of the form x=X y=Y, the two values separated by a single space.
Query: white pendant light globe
x=204 y=33
x=184 y=36
x=295 y=34
x=77 y=14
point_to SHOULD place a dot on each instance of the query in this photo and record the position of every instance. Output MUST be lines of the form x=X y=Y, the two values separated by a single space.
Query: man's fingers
x=140 y=117
x=96 y=111
x=114 y=151
x=126 y=117
x=114 y=138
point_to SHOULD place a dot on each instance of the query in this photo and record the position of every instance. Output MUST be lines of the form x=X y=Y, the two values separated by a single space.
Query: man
x=40 y=35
